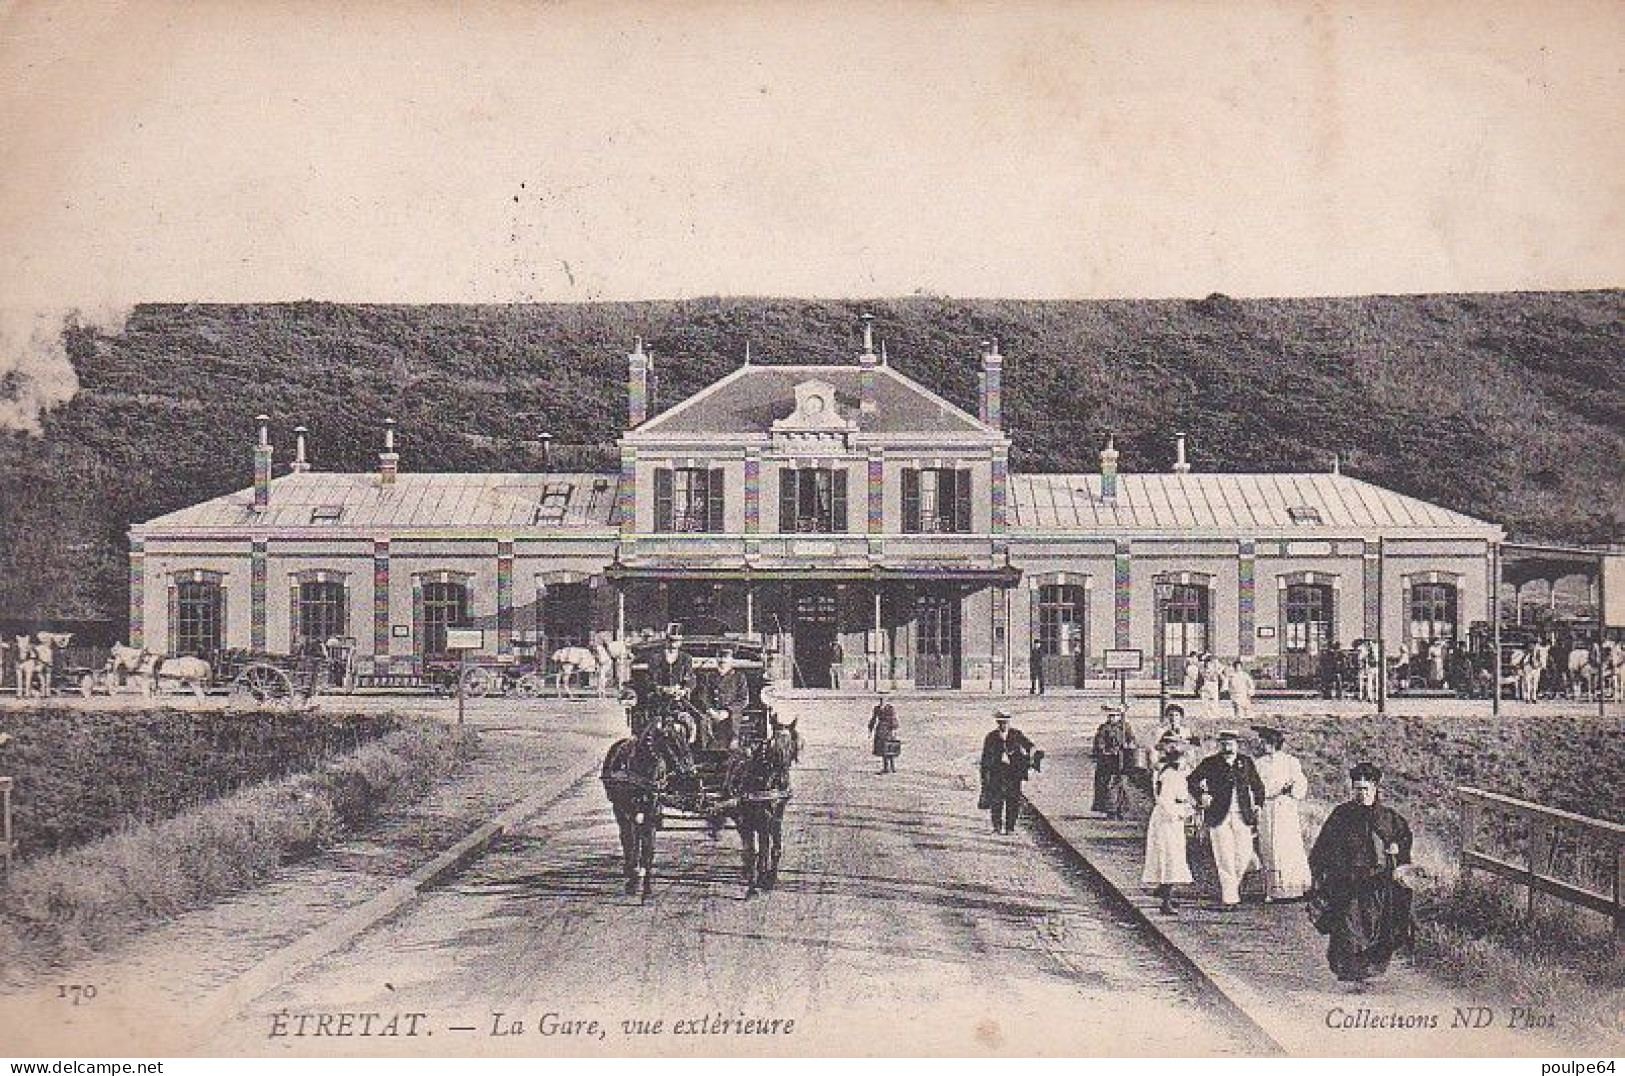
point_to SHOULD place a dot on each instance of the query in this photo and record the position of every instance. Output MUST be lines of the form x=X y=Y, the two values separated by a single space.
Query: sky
x=407 y=152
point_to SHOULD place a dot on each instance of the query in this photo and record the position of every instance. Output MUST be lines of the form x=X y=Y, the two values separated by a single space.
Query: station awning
x=1005 y=575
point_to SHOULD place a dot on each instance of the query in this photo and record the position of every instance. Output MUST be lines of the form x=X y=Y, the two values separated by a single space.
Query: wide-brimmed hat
x=1228 y=734
x=1365 y=771
x=1113 y=708
x=1270 y=734
x=1001 y=715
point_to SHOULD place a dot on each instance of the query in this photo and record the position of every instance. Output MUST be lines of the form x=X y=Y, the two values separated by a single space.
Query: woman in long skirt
x=883 y=724
x=1280 y=829
x=1165 y=862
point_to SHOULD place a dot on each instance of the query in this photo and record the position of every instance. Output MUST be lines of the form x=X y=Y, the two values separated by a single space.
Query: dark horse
x=637 y=770
x=759 y=779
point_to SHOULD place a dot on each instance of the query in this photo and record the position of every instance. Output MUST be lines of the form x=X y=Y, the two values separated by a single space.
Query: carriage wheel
x=532 y=685
x=478 y=683
x=264 y=683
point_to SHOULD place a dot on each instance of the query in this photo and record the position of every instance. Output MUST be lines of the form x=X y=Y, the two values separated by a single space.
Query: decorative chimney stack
x=868 y=363
x=1181 y=465
x=300 y=464
x=639 y=365
x=389 y=462
x=262 y=465
x=992 y=409
x=1108 y=470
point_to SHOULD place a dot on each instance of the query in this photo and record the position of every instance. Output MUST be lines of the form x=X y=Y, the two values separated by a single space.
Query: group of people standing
x=1208 y=679
x=1249 y=809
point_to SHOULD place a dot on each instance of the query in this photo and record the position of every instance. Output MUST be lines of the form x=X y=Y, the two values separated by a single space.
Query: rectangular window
x=688 y=500
x=321 y=612
x=812 y=500
x=445 y=605
x=198 y=618
x=1433 y=611
x=936 y=500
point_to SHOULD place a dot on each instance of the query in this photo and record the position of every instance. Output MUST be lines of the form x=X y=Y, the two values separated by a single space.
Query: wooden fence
x=1571 y=857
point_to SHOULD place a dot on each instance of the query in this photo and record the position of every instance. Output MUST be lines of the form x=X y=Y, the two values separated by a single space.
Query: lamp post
x=1165 y=593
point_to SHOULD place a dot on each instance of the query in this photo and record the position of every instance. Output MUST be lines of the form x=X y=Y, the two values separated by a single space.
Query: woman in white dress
x=1280 y=830
x=1165 y=862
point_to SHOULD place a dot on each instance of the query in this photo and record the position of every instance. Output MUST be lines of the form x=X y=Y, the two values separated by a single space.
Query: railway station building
x=868 y=530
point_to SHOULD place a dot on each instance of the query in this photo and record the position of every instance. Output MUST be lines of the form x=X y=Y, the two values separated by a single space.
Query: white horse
x=571 y=660
x=1613 y=671
x=1584 y=672
x=614 y=659
x=151 y=671
x=1528 y=666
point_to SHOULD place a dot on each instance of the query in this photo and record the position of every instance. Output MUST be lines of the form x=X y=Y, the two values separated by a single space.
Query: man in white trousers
x=1228 y=789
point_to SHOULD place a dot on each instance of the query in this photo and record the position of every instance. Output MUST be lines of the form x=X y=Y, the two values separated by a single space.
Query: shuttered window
x=936 y=500
x=812 y=500
x=689 y=500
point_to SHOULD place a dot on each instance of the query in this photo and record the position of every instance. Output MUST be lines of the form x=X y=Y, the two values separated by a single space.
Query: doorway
x=814 y=624
x=936 y=639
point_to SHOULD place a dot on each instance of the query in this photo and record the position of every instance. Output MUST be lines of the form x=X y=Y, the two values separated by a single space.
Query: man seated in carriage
x=727 y=695
x=671 y=681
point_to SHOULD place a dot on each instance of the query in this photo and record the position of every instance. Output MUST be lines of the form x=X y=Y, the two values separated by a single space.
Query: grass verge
x=69 y=904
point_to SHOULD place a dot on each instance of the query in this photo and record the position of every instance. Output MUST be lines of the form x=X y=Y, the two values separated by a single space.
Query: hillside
x=1509 y=407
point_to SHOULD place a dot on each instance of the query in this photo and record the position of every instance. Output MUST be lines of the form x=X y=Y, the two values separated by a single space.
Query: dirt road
x=902 y=925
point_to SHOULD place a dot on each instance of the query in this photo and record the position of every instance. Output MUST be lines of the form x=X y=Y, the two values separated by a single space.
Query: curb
x=273 y=970
x=1239 y=1000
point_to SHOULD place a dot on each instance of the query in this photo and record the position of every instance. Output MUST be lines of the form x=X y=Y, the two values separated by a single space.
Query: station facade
x=865 y=528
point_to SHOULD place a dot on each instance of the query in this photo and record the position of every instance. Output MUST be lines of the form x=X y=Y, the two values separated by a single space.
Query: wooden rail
x=1533 y=840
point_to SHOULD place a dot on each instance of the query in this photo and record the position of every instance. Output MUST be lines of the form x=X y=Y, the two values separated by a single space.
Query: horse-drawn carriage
x=685 y=758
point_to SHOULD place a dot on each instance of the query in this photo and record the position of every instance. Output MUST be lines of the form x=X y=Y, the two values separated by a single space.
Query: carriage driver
x=730 y=694
x=671 y=675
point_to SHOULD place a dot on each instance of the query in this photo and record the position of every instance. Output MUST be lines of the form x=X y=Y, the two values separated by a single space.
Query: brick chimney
x=389 y=461
x=300 y=464
x=262 y=465
x=1108 y=470
x=868 y=363
x=1181 y=464
x=992 y=381
x=639 y=365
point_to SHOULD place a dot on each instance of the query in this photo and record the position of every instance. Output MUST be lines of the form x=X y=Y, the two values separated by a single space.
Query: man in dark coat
x=1356 y=898
x=1113 y=738
x=729 y=695
x=1228 y=789
x=1007 y=758
x=1035 y=669
x=671 y=676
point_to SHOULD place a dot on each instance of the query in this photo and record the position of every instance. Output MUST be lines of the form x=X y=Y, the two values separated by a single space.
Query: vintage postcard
x=811 y=530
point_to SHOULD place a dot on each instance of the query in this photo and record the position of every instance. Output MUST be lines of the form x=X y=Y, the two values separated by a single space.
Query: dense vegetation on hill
x=1510 y=407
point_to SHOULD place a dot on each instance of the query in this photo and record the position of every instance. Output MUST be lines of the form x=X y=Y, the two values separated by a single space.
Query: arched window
x=1061 y=633
x=322 y=613
x=200 y=616
x=1306 y=618
x=1186 y=625
x=445 y=605
x=1433 y=609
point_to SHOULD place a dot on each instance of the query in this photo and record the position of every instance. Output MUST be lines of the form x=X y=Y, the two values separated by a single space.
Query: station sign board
x=1125 y=660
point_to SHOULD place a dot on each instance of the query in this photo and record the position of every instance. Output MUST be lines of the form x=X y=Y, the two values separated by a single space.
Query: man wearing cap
x=1357 y=900
x=1113 y=740
x=1007 y=757
x=1227 y=788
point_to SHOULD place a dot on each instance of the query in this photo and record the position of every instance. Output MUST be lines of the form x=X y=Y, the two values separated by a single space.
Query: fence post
x=1469 y=829
x=1540 y=832
x=5 y=820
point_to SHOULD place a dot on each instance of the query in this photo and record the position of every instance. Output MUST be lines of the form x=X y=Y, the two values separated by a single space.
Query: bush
x=64 y=905
x=83 y=773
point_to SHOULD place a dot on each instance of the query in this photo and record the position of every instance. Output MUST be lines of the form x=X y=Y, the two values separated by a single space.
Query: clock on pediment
x=816 y=418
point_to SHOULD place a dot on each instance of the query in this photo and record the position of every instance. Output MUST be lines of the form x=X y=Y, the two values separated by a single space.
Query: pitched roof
x=1244 y=503
x=318 y=499
x=750 y=398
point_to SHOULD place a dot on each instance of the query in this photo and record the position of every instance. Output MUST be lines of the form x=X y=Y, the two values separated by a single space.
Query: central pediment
x=816 y=418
